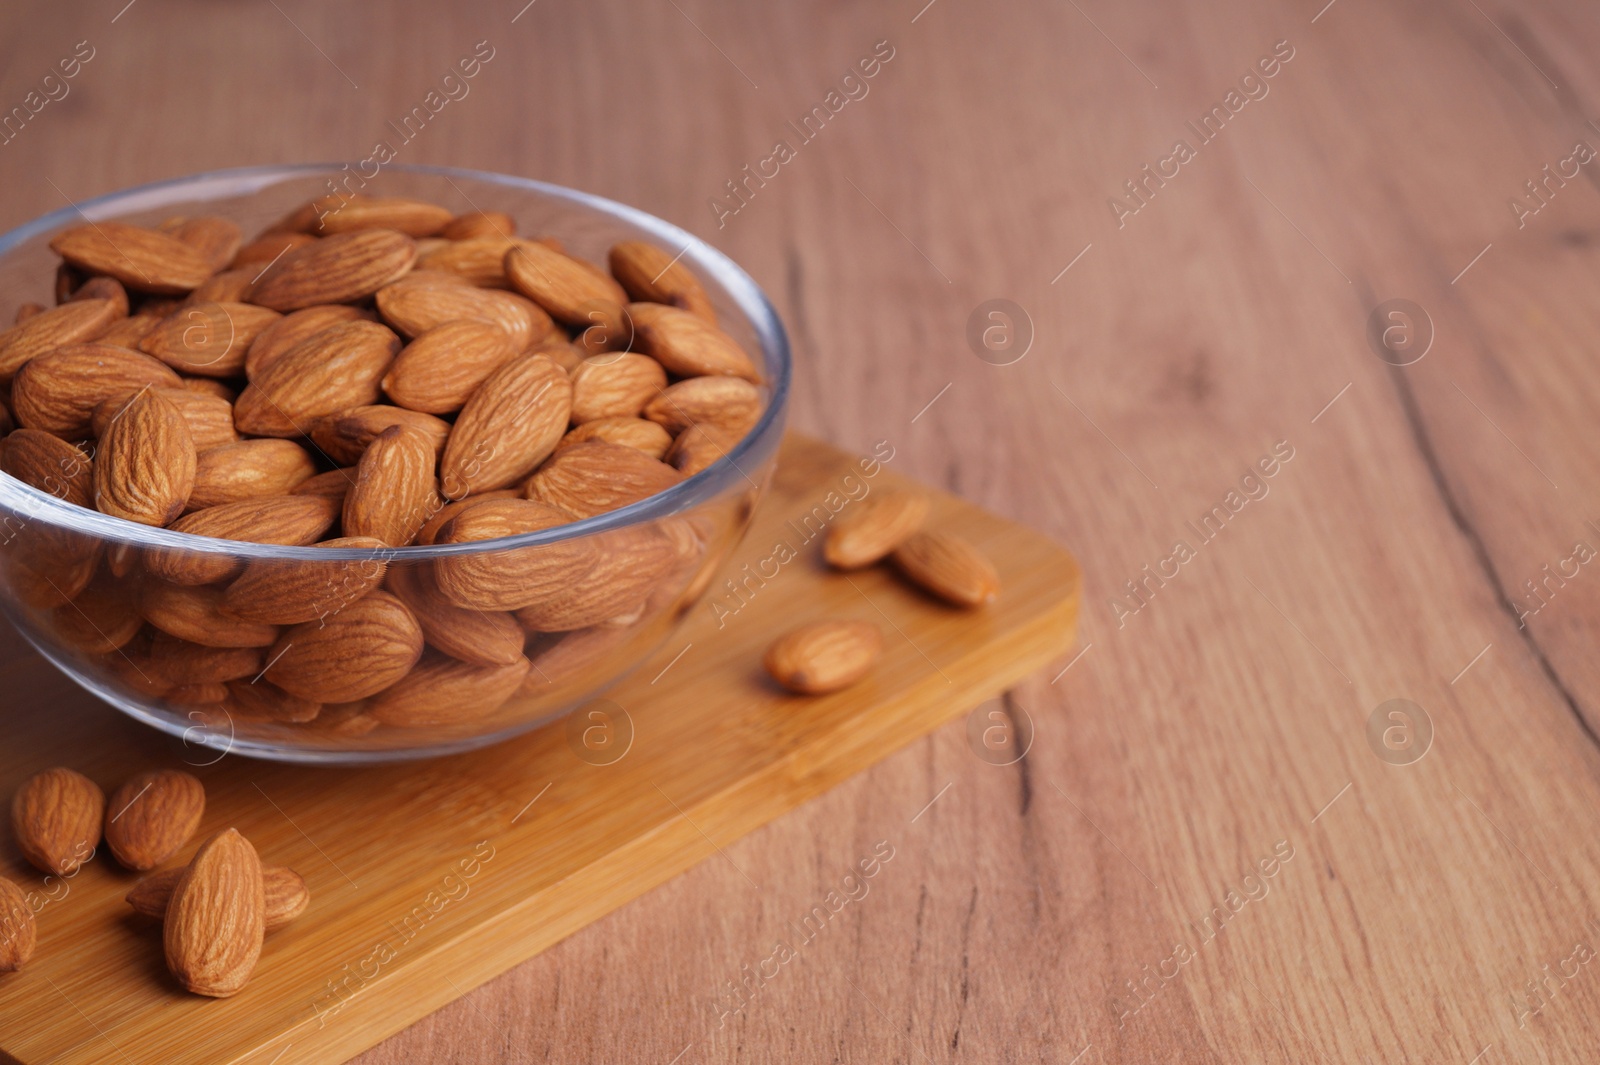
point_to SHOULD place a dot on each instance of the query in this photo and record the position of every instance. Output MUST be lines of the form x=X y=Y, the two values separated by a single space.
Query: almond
x=334 y=370
x=280 y=336
x=481 y=637
x=337 y=269
x=628 y=565
x=476 y=224
x=216 y=917
x=70 y=323
x=395 y=490
x=103 y=288
x=949 y=567
x=686 y=344
x=208 y=339
x=18 y=930
x=152 y=816
x=127 y=332
x=480 y=260
x=178 y=661
x=249 y=469
x=289 y=520
x=344 y=719
x=230 y=286
x=570 y=289
x=345 y=436
x=58 y=392
x=414 y=218
x=142 y=259
x=560 y=351
x=358 y=652
x=52 y=570
x=439 y=370
x=195 y=614
x=510 y=425
x=207 y=694
x=446 y=691
x=100 y=619
x=209 y=417
x=284 y=895
x=729 y=403
x=214 y=238
x=824 y=656
x=700 y=446
x=515 y=577
x=333 y=484
x=259 y=700
x=650 y=275
x=630 y=432
x=267 y=249
x=55 y=817
x=144 y=470
x=419 y=303
x=428 y=533
x=615 y=386
x=873 y=528
x=596 y=477
x=283 y=592
x=50 y=464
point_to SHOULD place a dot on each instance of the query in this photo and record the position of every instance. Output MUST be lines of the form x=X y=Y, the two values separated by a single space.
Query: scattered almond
x=949 y=567
x=152 y=816
x=56 y=817
x=874 y=527
x=284 y=895
x=824 y=656
x=216 y=917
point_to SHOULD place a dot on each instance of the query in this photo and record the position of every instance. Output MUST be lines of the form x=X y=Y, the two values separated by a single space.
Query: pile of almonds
x=368 y=374
x=825 y=656
x=214 y=911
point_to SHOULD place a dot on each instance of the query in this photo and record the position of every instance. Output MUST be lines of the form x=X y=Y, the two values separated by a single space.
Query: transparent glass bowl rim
x=708 y=484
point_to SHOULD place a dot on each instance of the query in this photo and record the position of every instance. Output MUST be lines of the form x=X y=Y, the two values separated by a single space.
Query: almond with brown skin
x=560 y=351
x=446 y=691
x=18 y=930
x=429 y=531
x=209 y=417
x=628 y=565
x=144 y=469
x=196 y=614
x=260 y=700
x=249 y=469
x=152 y=816
x=439 y=370
x=103 y=288
x=127 y=332
x=480 y=261
x=729 y=403
x=365 y=648
x=208 y=339
x=477 y=224
x=178 y=661
x=214 y=238
x=630 y=432
x=58 y=392
x=510 y=425
x=395 y=490
x=517 y=577
x=333 y=484
x=334 y=370
x=337 y=269
x=614 y=386
x=874 y=527
x=420 y=303
x=267 y=249
x=652 y=275
x=282 y=335
x=949 y=567
x=50 y=464
x=281 y=592
x=345 y=436
x=56 y=817
x=295 y=521
x=70 y=323
x=414 y=218
x=100 y=619
x=700 y=446
x=230 y=286
x=285 y=896
x=216 y=917
x=207 y=694
x=481 y=637
x=824 y=656
x=144 y=260
x=571 y=290
x=686 y=344
x=596 y=477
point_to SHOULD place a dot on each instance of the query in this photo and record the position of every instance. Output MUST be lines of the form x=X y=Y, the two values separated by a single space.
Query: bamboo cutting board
x=429 y=878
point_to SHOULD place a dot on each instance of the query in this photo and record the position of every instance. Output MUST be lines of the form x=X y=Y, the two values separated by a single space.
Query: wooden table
x=1226 y=842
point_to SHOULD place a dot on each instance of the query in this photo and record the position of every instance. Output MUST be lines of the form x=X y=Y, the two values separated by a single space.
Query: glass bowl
x=142 y=616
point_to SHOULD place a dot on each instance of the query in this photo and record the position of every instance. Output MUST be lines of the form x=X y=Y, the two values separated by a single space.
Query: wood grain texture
x=1387 y=560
